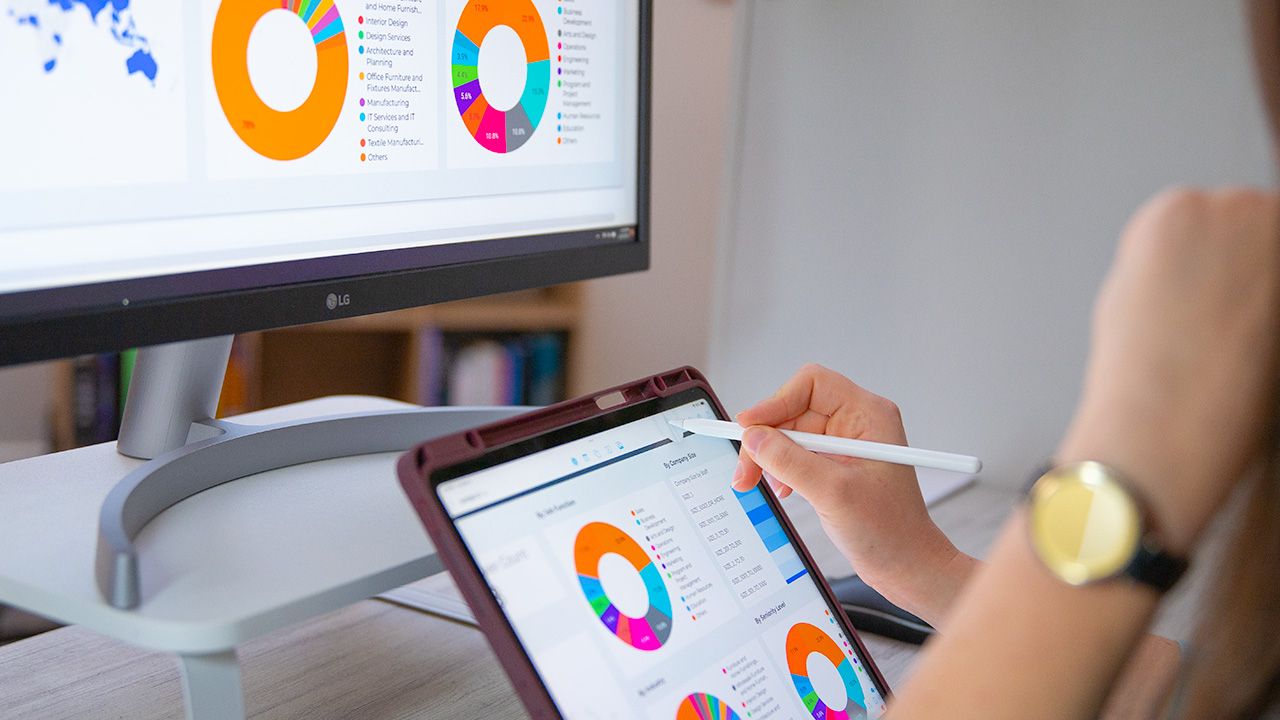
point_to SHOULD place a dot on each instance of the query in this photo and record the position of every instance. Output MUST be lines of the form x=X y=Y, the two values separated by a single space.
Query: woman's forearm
x=1145 y=684
x=1021 y=643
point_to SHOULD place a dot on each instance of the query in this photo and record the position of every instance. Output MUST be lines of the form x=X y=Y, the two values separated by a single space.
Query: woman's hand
x=1183 y=360
x=873 y=511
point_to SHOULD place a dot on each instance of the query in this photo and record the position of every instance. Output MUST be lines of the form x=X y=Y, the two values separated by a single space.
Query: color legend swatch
x=593 y=542
x=271 y=133
x=802 y=641
x=501 y=130
x=701 y=706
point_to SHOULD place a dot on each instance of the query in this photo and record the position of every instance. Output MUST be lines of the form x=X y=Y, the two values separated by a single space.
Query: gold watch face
x=1084 y=524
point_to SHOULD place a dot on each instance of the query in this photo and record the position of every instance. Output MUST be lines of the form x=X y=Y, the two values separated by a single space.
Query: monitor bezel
x=107 y=317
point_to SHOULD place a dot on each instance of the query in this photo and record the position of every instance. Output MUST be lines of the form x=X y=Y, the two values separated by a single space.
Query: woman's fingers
x=823 y=401
x=813 y=388
x=787 y=463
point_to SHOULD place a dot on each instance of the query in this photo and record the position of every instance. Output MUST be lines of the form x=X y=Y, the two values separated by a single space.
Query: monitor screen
x=173 y=170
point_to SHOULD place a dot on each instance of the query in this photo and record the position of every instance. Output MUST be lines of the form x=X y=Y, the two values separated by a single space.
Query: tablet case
x=416 y=466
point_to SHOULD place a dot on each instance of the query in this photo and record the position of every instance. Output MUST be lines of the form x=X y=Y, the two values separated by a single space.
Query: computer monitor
x=178 y=170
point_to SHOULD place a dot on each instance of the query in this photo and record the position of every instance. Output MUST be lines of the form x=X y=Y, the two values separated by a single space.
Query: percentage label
x=466 y=96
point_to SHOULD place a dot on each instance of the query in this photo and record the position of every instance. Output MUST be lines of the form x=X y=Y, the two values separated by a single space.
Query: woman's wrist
x=1032 y=626
x=952 y=579
x=1178 y=520
x=940 y=582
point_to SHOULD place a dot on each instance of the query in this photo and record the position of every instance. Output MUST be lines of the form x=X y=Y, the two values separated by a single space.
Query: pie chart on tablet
x=805 y=640
x=594 y=541
x=701 y=706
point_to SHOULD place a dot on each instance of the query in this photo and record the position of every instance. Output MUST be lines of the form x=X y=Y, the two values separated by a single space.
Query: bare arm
x=1176 y=393
x=1022 y=644
x=1180 y=371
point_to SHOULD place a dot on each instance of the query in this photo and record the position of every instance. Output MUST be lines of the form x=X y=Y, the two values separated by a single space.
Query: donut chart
x=701 y=706
x=593 y=542
x=271 y=133
x=802 y=641
x=499 y=130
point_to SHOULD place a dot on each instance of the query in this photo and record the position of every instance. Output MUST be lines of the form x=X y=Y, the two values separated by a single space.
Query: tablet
x=616 y=574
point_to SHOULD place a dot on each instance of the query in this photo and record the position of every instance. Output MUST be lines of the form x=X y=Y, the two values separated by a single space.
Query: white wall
x=653 y=321
x=927 y=195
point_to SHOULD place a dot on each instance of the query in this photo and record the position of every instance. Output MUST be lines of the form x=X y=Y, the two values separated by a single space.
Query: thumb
x=787 y=462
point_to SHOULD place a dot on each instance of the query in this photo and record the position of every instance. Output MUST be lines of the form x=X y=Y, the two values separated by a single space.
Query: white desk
x=370 y=660
x=225 y=566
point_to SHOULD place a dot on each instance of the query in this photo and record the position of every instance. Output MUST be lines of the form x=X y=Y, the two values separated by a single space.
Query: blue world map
x=48 y=17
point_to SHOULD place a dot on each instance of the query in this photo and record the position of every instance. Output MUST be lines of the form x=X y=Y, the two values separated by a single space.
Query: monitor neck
x=173 y=386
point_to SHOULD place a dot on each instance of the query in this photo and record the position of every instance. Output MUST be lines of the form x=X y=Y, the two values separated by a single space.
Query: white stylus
x=831 y=445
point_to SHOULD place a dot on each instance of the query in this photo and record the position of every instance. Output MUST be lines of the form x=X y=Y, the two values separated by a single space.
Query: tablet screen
x=642 y=585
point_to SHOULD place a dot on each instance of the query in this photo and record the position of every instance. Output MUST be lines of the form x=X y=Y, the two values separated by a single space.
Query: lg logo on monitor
x=334 y=301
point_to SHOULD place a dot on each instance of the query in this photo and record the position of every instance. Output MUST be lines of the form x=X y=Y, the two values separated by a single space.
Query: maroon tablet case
x=416 y=466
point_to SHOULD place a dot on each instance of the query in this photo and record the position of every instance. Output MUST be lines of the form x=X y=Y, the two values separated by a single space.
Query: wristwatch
x=1088 y=524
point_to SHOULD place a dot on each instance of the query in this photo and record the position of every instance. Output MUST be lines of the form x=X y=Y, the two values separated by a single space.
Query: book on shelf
x=484 y=369
x=430 y=373
x=98 y=386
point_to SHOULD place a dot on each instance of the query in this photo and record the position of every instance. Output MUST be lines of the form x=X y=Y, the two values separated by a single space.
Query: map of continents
x=49 y=19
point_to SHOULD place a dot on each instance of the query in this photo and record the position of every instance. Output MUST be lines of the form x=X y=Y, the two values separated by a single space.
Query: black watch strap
x=1150 y=565
x=1155 y=567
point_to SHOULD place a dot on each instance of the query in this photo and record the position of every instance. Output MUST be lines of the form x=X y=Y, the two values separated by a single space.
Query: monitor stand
x=346 y=530
x=173 y=386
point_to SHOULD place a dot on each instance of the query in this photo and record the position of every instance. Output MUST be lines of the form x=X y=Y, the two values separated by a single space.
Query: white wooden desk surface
x=370 y=660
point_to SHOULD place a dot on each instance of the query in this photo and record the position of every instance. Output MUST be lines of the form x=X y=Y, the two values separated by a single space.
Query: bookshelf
x=386 y=355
